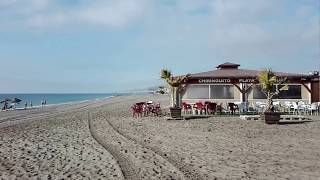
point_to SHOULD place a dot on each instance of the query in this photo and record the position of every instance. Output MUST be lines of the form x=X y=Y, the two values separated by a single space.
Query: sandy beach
x=100 y=140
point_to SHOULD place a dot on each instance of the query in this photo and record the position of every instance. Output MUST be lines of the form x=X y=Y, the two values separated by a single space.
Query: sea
x=54 y=99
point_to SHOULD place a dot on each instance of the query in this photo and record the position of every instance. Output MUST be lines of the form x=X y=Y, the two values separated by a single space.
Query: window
x=198 y=92
x=294 y=92
x=258 y=93
x=222 y=92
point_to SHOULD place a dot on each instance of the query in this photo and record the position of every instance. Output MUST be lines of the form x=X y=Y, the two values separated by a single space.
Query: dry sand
x=53 y=143
x=67 y=142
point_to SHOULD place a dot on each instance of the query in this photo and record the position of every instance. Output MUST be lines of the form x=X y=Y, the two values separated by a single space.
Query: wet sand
x=101 y=140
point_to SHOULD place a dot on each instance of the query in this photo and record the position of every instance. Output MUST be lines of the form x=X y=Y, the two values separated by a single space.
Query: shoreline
x=25 y=116
x=60 y=104
x=20 y=106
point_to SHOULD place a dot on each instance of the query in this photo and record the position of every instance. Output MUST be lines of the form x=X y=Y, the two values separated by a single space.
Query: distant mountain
x=153 y=89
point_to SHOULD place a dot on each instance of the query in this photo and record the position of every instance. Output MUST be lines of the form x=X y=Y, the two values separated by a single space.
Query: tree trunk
x=172 y=96
x=178 y=99
x=269 y=103
x=175 y=97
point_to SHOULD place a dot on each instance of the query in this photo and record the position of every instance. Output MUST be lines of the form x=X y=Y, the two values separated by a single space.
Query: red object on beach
x=232 y=107
x=157 y=109
x=212 y=107
x=200 y=106
x=186 y=107
x=137 y=110
x=145 y=109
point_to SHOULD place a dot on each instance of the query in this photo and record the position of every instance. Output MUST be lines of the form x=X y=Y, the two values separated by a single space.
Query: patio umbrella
x=16 y=100
x=5 y=100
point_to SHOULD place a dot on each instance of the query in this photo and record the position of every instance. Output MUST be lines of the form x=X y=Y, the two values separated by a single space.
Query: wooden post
x=243 y=91
x=309 y=90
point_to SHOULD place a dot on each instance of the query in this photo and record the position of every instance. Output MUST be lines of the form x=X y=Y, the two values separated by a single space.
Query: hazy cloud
x=183 y=35
x=54 y=13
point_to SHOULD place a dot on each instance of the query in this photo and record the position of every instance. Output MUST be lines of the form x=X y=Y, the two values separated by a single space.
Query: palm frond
x=171 y=80
x=177 y=81
x=267 y=80
x=165 y=74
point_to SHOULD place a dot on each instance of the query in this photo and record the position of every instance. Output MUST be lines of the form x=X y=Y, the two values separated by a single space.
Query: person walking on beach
x=42 y=103
x=25 y=105
x=5 y=106
x=31 y=104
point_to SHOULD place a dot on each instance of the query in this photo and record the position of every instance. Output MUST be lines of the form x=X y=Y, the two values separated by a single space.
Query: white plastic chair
x=242 y=106
x=287 y=103
x=301 y=107
x=276 y=103
x=294 y=107
x=314 y=108
x=259 y=106
x=287 y=106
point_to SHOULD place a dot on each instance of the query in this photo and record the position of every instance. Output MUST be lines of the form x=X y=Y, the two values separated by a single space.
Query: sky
x=99 y=46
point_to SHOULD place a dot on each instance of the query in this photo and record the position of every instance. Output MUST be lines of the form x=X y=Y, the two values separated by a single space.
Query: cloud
x=19 y=7
x=118 y=13
x=245 y=10
x=240 y=30
x=186 y=35
x=263 y=28
x=233 y=28
x=54 y=13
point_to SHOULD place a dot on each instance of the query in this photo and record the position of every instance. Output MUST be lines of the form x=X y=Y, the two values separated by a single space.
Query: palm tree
x=175 y=83
x=267 y=81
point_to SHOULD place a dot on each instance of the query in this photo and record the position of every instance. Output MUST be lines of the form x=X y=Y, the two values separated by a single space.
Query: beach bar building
x=228 y=83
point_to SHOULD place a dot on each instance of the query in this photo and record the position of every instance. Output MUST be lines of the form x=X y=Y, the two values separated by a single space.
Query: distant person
x=25 y=105
x=31 y=104
x=42 y=103
x=5 y=106
x=45 y=102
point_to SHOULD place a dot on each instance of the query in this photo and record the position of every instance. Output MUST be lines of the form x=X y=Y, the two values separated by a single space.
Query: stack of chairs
x=141 y=109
